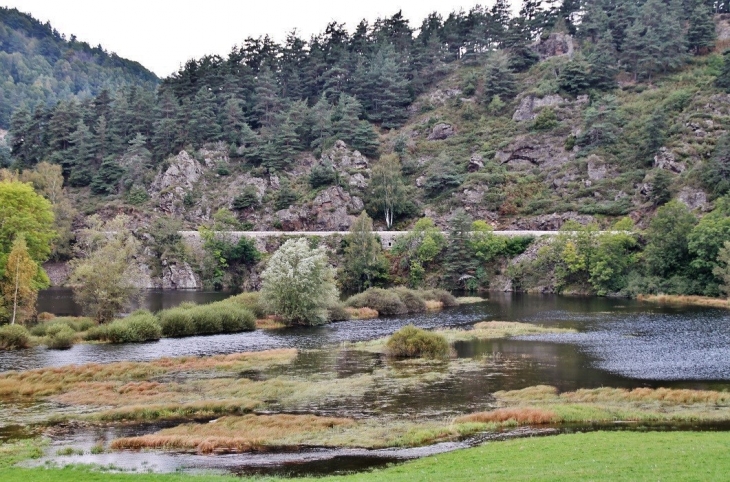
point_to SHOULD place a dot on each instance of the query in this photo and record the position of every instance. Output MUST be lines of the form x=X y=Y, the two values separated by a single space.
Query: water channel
x=619 y=343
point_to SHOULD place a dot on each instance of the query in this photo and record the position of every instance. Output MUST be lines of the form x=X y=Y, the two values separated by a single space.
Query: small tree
x=298 y=284
x=499 y=79
x=387 y=190
x=364 y=264
x=19 y=285
x=723 y=78
x=722 y=270
x=105 y=275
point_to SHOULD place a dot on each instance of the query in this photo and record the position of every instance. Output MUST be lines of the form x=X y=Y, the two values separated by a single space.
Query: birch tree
x=18 y=285
x=387 y=189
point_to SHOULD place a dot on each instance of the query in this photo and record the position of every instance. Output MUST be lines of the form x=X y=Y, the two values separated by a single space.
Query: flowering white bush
x=299 y=284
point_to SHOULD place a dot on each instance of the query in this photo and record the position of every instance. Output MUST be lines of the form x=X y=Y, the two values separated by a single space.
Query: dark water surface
x=619 y=342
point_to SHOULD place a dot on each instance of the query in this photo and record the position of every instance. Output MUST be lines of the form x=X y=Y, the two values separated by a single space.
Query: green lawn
x=610 y=456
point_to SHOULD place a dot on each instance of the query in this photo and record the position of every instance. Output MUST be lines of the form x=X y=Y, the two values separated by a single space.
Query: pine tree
x=387 y=94
x=602 y=60
x=363 y=265
x=365 y=139
x=320 y=118
x=107 y=177
x=18 y=286
x=723 y=79
x=232 y=120
x=267 y=101
x=701 y=31
x=459 y=260
x=346 y=117
x=203 y=123
x=575 y=76
x=286 y=195
x=499 y=79
x=78 y=165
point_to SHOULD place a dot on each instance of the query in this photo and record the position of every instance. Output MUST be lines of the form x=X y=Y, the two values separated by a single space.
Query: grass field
x=609 y=456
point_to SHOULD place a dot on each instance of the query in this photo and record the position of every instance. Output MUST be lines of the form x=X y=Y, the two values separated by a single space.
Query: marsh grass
x=14 y=337
x=49 y=381
x=686 y=300
x=486 y=330
x=234 y=434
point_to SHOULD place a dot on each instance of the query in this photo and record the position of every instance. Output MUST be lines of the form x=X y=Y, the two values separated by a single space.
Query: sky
x=163 y=34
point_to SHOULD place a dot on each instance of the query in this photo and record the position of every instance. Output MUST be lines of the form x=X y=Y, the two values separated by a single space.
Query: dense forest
x=39 y=66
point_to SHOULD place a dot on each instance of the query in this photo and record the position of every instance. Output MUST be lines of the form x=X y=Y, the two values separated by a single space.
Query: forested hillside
x=571 y=111
x=39 y=66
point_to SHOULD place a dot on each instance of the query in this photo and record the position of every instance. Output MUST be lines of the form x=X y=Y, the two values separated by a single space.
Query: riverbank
x=686 y=300
x=609 y=456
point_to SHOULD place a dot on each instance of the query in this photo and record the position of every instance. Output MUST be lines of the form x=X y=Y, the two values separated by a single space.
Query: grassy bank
x=609 y=456
x=686 y=300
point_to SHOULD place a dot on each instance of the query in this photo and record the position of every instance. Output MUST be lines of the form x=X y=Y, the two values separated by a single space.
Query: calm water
x=620 y=342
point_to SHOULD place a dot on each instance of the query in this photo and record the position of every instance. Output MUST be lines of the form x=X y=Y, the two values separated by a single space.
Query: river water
x=619 y=343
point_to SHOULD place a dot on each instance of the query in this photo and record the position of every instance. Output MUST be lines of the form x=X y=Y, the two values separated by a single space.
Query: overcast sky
x=163 y=34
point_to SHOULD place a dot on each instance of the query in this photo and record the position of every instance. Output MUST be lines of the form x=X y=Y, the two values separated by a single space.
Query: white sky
x=163 y=34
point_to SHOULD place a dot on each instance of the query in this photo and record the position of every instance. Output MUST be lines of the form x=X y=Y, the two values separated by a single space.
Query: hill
x=40 y=66
x=574 y=113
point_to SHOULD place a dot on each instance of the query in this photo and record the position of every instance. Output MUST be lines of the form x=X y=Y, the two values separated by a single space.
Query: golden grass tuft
x=521 y=415
x=361 y=313
x=434 y=305
x=233 y=434
x=269 y=323
x=686 y=300
x=499 y=329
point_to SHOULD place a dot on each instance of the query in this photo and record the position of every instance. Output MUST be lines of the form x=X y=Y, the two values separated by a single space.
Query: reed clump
x=520 y=416
x=14 y=337
x=412 y=342
x=687 y=300
x=233 y=434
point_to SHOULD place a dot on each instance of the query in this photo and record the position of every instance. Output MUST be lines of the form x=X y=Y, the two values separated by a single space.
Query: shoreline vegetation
x=686 y=300
x=242 y=312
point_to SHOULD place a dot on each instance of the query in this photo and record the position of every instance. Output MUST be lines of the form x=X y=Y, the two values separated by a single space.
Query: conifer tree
x=701 y=31
x=203 y=123
x=723 y=79
x=364 y=265
x=78 y=165
x=499 y=79
x=575 y=76
x=459 y=261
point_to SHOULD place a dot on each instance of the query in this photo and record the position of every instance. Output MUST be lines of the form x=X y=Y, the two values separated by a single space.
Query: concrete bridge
x=387 y=238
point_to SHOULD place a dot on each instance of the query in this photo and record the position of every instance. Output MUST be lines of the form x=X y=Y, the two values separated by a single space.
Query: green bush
x=177 y=322
x=338 y=313
x=250 y=300
x=138 y=327
x=414 y=342
x=97 y=333
x=60 y=337
x=76 y=324
x=14 y=336
x=385 y=302
x=227 y=316
x=411 y=299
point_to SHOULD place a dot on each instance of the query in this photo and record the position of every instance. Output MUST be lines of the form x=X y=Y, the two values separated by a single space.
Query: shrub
x=234 y=318
x=411 y=299
x=60 y=337
x=385 y=302
x=338 y=313
x=76 y=324
x=138 y=327
x=97 y=333
x=14 y=336
x=447 y=299
x=414 y=342
x=250 y=300
x=177 y=322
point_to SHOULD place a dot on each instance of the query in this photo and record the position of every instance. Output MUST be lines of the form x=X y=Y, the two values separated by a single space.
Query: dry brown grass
x=434 y=305
x=669 y=396
x=522 y=416
x=361 y=313
x=49 y=381
x=686 y=300
x=269 y=323
x=233 y=434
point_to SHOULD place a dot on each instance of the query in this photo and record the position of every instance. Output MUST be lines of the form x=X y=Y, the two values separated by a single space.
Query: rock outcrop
x=333 y=209
x=170 y=187
x=530 y=104
x=178 y=276
x=556 y=44
x=441 y=131
x=665 y=160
